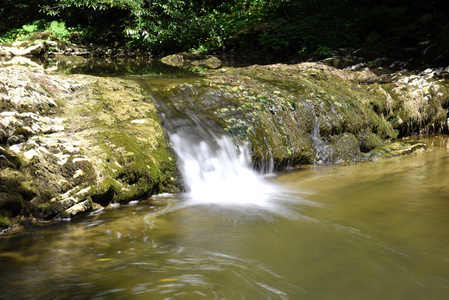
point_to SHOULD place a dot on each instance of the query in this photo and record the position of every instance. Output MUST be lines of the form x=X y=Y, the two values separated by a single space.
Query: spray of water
x=216 y=171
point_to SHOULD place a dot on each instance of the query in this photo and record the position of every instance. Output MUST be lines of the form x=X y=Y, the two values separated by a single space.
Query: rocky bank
x=71 y=144
x=314 y=113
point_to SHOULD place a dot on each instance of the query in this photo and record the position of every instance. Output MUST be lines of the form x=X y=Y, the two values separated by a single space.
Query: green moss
x=5 y=221
x=345 y=148
x=291 y=100
x=48 y=210
x=14 y=196
x=132 y=169
x=368 y=141
x=8 y=159
x=136 y=160
x=86 y=176
x=396 y=149
x=105 y=191
x=286 y=101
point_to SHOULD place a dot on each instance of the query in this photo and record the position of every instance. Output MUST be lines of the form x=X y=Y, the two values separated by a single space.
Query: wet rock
x=346 y=148
x=396 y=149
x=84 y=206
x=369 y=141
x=312 y=112
x=192 y=60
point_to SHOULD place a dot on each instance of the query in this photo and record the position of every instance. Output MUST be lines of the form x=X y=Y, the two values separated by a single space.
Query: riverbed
x=375 y=230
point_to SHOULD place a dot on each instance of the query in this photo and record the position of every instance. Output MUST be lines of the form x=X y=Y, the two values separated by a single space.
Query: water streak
x=323 y=151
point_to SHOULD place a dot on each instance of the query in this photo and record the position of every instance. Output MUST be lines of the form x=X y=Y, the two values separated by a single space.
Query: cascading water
x=214 y=169
x=323 y=151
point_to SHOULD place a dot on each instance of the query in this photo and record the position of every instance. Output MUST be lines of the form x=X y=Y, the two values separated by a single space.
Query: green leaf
x=29 y=28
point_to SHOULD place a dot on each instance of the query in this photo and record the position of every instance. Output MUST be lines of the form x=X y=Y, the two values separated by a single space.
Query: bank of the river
x=71 y=144
x=312 y=112
x=76 y=143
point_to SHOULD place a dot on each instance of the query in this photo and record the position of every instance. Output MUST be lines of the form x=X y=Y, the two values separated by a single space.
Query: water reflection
x=141 y=251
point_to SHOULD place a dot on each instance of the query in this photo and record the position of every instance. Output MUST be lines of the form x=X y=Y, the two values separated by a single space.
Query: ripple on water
x=211 y=275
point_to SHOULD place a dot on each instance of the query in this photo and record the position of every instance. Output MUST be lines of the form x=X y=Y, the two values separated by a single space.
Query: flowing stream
x=373 y=230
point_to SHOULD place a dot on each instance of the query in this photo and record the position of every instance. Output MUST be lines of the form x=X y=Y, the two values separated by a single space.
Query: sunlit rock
x=192 y=60
x=68 y=141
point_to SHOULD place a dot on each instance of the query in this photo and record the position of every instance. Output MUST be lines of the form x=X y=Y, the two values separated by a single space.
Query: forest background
x=281 y=29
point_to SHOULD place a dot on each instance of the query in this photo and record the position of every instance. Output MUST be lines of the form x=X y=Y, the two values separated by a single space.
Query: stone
x=36 y=47
x=61 y=141
x=3 y=136
x=187 y=60
x=10 y=159
x=30 y=154
x=28 y=49
x=16 y=139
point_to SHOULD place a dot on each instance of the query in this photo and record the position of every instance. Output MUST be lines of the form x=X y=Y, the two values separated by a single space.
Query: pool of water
x=375 y=230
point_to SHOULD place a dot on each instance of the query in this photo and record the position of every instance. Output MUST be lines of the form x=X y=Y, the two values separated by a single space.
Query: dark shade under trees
x=284 y=28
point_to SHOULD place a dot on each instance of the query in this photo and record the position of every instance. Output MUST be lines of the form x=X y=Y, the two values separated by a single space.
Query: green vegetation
x=286 y=27
x=39 y=30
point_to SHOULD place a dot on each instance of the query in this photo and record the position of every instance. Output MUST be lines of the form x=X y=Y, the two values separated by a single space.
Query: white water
x=215 y=171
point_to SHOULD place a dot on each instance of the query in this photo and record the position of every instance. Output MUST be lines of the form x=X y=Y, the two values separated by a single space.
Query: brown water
x=374 y=230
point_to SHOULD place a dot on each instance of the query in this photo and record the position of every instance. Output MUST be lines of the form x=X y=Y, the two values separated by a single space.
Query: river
x=375 y=230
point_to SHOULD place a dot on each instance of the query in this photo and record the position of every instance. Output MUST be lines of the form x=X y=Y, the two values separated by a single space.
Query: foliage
x=166 y=25
x=322 y=51
x=57 y=30
x=283 y=27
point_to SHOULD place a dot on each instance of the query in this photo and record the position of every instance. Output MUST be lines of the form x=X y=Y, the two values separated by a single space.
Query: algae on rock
x=84 y=142
x=310 y=112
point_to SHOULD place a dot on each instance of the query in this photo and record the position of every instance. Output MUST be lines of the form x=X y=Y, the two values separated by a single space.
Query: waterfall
x=215 y=170
x=324 y=152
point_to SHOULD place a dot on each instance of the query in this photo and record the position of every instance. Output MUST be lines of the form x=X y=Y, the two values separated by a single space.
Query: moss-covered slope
x=311 y=112
x=75 y=143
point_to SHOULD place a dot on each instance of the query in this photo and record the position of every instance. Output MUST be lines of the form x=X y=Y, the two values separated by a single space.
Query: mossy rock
x=192 y=60
x=368 y=141
x=107 y=146
x=287 y=103
x=15 y=197
x=5 y=221
x=396 y=149
x=345 y=148
x=8 y=159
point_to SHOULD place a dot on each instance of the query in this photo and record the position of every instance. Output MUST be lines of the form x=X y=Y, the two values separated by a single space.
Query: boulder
x=34 y=47
x=312 y=112
x=187 y=60
x=24 y=48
